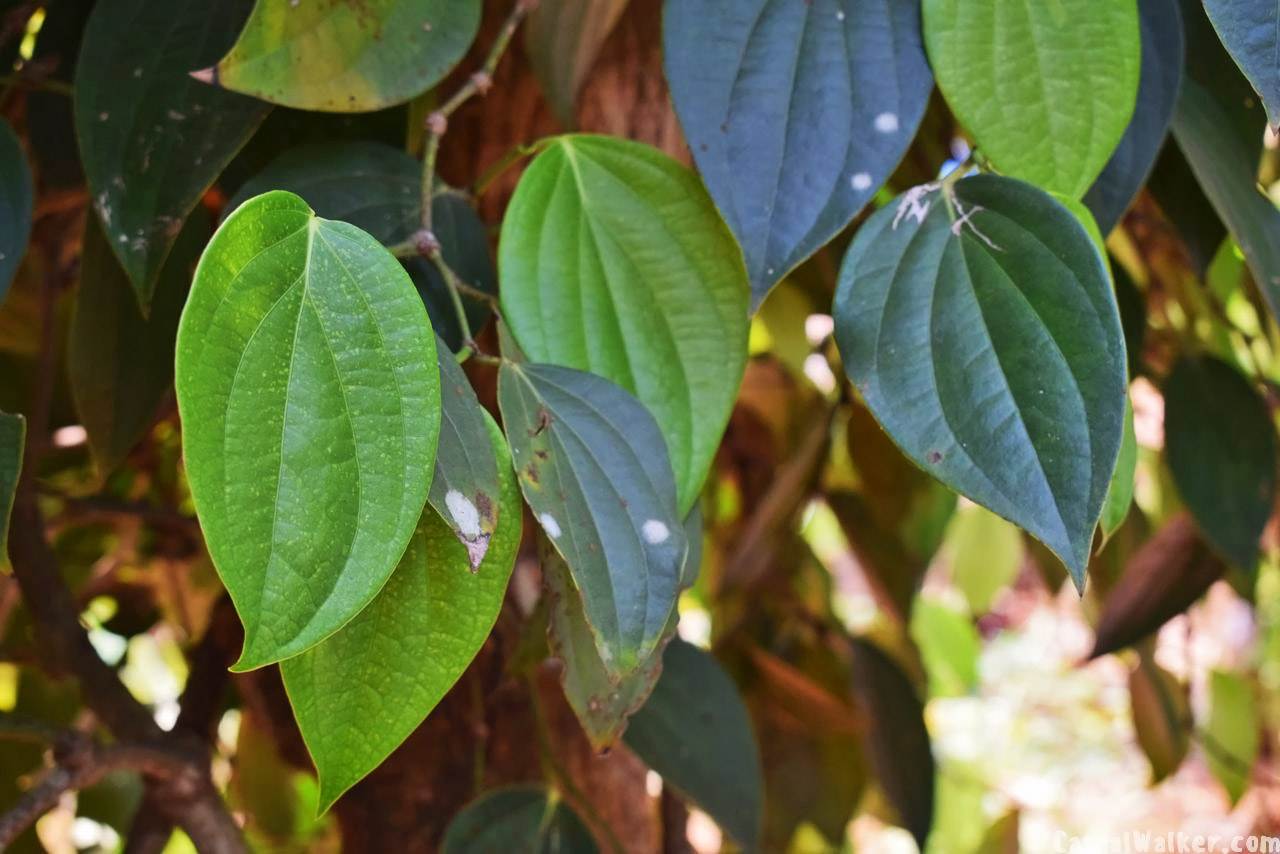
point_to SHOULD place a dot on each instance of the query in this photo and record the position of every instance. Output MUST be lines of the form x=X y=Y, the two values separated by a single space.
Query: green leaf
x=464 y=490
x=16 y=201
x=614 y=261
x=517 y=818
x=1045 y=88
x=1161 y=717
x=347 y=57
x=796 y=113
x=152 y=140
x=1158 y=84
x=949 y=645
x=361 y=693
x=1120 y=490
x=1249 y=31
x=695 y=732
x=379 y=189
x=984 y=336
x=13 y=438
x=310 y=403
x=595 y=471
x=1231 y=737
x=1221 y=446
x=119 y=362
x=985 y=553
x=563 y=39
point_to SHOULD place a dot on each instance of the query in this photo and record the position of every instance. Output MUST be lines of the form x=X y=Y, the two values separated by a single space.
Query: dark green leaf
x=120 y=363
x=525 y=819
x=613 y=260
x=1231 y=737
x=360 y=693
x=983 y=334
x=310 y=402
x=796 y=113
x=897 y=738
x=379 y=189
x=563 y=39
x=152 y=139
x=13 y=438
x=1159 y=81
x=1249 y=30
x=594 y=469
x=1221 y=446
x=16 y=202
x=346 y=57
x=1174 y=187
x=1046 y=88
x=695 y=732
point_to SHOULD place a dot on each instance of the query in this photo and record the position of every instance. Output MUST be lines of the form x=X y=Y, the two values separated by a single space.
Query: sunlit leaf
x=1120 y=490
x=949 y=645
x=985 y=553
x=796 y=113
x=310 y=402
x=517 y=818
x=563 y=39
x=15 y=205
x=1231 y=737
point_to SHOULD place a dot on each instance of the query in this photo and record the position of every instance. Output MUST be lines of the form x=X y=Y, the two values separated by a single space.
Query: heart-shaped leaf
x=152 y=140
x=378 y=188
x=310 y=403
x=1158 y=84
x=1250 y=32
x=13 y=442
x=518 y=818
x=464 y=490
x=16 y=202
x=593 y=467
x=1046 y=88
x=696 y=733
x=796 y=113
x=983 y=333
x=1220 y=442
x=346 y=57
x=360 y=693
x=563 y=39
x=614 y=261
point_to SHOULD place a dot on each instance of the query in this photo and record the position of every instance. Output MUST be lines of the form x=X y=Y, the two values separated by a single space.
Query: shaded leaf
x=378 y=188
x=614 y=261
x=984 y=336
x=1174 y=187
x=1161 y=717
x=897 y=740
x=360 y=693
x=120 y=362
x=464 y=489
x=1159 y=81
x=13 y=442
x=695 y=732
x=1220 y=443
x=1046 y=89
x=16 y=202
x=310 y=403
x=1248 y=30
x=346 y=57
x=796 y=113
x=152 y=140
x=563 y=39
x=1163 y=578
x=594 y=469
x=1120 y=490
x=517 y=818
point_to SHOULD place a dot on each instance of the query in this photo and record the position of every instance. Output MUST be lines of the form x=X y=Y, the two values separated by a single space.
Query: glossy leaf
x=13 y=443
x=152 y=140
x=360 y=693
x=614 y=261
x=695 y=732
x=1163 y=578
x=310 y=403
x=464 y=489
x=517 y=818
x=1249 y=30
x=897 y=738
x=379 y=189
x=1161 y=717
x=594 y=470
x=120 y=363
x=985 y=553
x=1221 y=446
x=984 y=336
x=1231 y=737
x=1120 y=490
x=1046 y=89
x=16 y=201
x=346 y=57
x=796 y=113
x=563 y=39
x=1158 y=85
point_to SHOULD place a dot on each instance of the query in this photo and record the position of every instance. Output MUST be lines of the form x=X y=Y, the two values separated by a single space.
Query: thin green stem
x=512 y=156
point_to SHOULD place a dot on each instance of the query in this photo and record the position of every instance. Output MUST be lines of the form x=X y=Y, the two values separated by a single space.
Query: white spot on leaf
x=550 y=525
x=464 y=513
x=887 y=123
x=654 y=532
x=861 y=181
